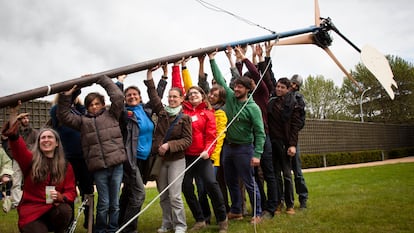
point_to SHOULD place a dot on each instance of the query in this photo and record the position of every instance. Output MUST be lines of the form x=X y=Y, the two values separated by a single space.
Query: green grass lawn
x=369 y=199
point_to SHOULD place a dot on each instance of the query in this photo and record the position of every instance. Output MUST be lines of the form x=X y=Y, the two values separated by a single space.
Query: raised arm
x=162 y=84
x=176 y=75
x=188 y=82
x=18 y=147
x=217 y=74
x=269 y=77
x=64 y=113
x=155 y=100
x=115 y=95
x=254 y=73
x=259 y=53
x=233 y=69
x=254 y=54
x=202 y=76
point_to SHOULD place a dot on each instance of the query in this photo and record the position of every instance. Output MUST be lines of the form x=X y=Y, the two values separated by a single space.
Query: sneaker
x=7 y=204
x=223 y=226
x=266 y=215
x=256 y=220
x=198 y=226
x=233 y=216
x=179 y=231
x=290 y=211
x=163 y=229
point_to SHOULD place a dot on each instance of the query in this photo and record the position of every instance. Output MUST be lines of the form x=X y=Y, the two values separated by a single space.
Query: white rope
x=72 y=226
x=49 y=89
x=218 y=9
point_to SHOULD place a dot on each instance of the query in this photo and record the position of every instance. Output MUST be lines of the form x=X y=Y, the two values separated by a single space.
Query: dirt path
x=409 y=159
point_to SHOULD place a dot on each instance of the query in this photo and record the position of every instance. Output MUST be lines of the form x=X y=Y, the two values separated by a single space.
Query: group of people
x=227 y=138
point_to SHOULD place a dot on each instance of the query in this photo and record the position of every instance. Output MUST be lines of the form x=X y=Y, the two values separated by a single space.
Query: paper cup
x=49 y=199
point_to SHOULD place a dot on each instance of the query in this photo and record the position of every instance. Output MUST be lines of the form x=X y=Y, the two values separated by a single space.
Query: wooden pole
x=24 y=96
x=91 y=204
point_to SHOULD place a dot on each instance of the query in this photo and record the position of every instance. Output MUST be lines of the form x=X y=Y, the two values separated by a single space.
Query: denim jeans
x=237 y=164
x=108 y=183
x=300 y=184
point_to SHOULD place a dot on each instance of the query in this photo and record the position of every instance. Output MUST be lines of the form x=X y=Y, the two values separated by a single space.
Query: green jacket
x=248 y=126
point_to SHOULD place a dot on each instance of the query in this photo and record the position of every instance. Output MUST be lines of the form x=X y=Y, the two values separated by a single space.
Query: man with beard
x=243 y=145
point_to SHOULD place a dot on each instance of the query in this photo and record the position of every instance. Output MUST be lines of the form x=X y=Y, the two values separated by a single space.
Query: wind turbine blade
x=302 y=39
x=317 y=14
x=379 y=66
x=329 y=52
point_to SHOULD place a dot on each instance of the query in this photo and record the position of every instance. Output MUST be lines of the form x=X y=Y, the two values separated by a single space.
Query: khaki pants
x=16 y=189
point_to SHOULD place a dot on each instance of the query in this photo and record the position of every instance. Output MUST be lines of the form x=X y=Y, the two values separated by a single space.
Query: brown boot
x=233 y=216
x=290 y=211
x=198 y=226
x=223 y=226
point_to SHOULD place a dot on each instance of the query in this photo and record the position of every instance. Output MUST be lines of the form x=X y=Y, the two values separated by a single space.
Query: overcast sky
x=46 y=42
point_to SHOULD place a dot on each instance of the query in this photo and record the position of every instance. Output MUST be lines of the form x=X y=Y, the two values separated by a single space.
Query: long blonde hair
x=43 y=166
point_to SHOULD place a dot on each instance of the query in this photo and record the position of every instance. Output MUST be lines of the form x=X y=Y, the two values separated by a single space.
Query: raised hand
x=121 y=78
x=212 y=54
x=13 y=113
x=239 y=53
x=70 y=91
x=268 y=47
x=201 y=58
x=258 y=50
x=184 y=62
x=149 y=71
x=165 y=69
x=229 y=52
x=177 y=63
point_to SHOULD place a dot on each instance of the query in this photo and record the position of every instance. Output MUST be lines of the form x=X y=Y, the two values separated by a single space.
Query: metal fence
x=317 y=137
x=38 y=112
x=323 y=136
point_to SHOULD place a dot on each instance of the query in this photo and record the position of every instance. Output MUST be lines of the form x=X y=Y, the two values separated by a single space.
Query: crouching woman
x=49 y=181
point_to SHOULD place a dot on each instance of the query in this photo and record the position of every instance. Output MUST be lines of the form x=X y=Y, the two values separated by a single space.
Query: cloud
x=53 y=41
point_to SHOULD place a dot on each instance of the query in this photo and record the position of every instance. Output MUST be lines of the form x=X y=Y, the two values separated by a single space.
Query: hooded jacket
x=101 y=136
x=204 y=128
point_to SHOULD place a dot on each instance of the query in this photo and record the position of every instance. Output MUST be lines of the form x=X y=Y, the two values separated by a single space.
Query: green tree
x=377 y=105
x=322 y=99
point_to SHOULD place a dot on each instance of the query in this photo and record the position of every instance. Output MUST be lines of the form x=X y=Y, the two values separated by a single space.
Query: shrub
x=343 y=158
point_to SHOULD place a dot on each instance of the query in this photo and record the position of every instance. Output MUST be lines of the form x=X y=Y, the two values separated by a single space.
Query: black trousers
x=205 y=171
